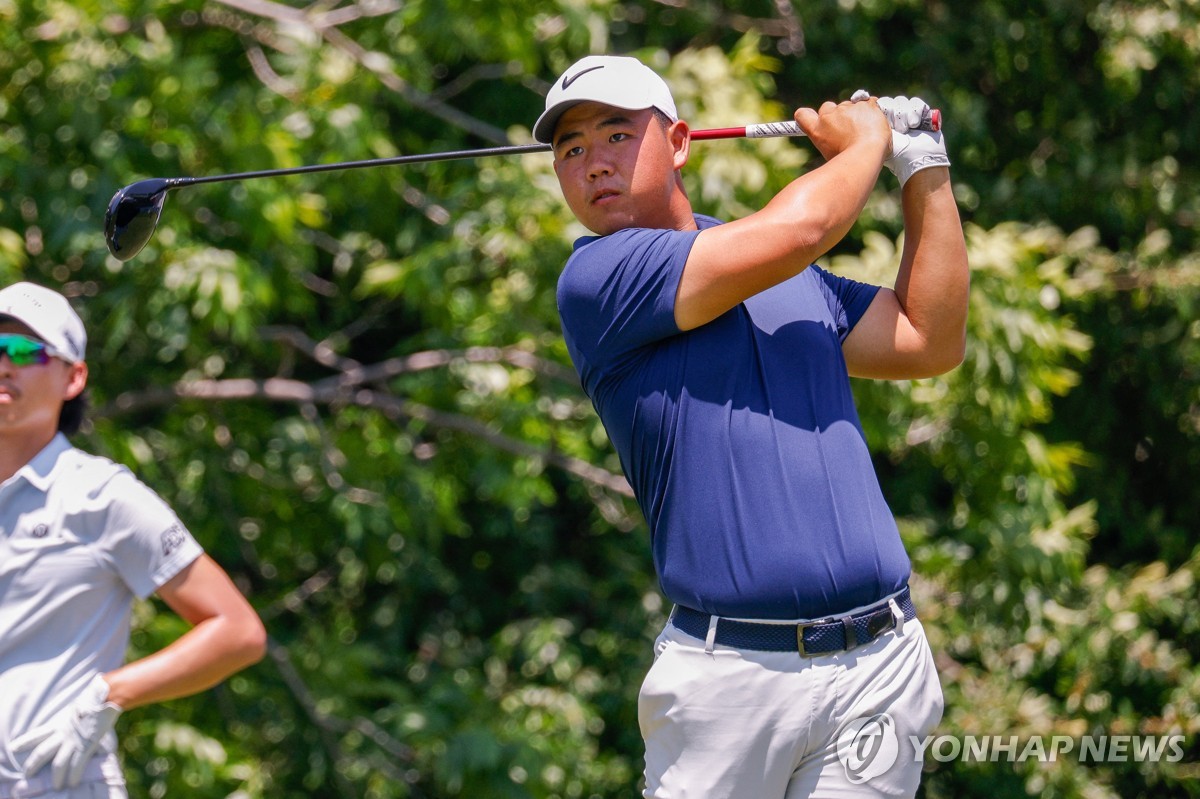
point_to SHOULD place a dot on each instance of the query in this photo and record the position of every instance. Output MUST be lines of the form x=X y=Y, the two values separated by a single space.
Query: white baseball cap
x=619 y=81
x=48 y=314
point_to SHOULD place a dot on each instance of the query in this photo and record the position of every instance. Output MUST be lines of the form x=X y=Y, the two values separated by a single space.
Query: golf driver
x=134 y=211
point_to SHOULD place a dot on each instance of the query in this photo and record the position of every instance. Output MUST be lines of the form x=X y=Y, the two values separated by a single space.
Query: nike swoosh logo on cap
x=567 y=81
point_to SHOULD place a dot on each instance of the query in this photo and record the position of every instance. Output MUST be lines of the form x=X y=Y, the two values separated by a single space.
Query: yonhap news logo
x=870 y=746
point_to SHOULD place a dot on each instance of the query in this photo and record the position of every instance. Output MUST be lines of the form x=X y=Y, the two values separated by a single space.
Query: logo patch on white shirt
x=172 y=539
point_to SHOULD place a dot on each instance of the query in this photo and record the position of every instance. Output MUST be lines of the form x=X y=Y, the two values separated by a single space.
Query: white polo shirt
x=80 y=538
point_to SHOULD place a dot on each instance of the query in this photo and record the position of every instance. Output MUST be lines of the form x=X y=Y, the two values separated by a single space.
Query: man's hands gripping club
x=70 y=740
x=912 y=149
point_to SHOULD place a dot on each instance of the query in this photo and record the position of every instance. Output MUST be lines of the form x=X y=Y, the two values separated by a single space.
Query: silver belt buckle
x=800 y=628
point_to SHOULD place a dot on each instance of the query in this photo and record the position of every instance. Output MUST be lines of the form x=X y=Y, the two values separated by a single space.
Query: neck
x=681 y=207
x=16 y=451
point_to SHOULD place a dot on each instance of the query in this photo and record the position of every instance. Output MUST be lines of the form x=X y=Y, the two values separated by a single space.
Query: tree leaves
x=353 y=389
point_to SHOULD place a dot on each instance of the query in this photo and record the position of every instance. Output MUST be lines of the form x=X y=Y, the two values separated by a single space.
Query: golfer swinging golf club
x=718 y=358
x=80 y=538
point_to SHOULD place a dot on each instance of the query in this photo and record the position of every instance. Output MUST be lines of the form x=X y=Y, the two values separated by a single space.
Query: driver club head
x=132 y=216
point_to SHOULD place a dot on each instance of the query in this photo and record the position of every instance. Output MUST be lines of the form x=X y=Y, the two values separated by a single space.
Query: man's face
x=617 y=167
x=31 y=397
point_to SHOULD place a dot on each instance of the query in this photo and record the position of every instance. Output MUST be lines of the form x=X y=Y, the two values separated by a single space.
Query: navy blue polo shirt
x=740 y=438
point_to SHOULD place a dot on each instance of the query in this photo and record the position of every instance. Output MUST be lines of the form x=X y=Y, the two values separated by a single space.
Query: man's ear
x=680 y=136
x=76 y=381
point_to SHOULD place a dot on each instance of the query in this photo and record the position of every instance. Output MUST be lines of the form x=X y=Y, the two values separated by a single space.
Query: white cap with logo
x=48 y=314
x=619 y=81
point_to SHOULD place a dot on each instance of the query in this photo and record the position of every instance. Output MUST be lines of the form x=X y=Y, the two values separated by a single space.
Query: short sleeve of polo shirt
x=144 y=541
x=847 y=299
x=617 y=293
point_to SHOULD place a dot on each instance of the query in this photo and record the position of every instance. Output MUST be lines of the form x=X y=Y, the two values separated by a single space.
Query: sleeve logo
x=172 y=539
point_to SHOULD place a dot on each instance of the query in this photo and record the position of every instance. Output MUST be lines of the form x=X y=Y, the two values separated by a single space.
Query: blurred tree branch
x=325 y=24
x=787 y=29
x=350 y=387
x=329 y=726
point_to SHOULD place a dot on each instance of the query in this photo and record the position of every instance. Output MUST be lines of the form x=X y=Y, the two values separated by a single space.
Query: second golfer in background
x=80 y=539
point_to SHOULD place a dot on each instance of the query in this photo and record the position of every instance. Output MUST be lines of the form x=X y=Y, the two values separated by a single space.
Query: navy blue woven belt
x=820 y=637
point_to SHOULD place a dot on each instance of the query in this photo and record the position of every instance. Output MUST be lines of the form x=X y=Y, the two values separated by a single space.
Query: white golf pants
x=723 y=723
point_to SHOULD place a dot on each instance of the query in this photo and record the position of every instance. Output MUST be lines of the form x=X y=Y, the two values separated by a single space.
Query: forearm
x=817 y=209
x=204 y=656
x=933 y=282
x=731 y=262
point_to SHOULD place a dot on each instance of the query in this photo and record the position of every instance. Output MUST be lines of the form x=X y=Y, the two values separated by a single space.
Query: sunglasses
x=25 y=351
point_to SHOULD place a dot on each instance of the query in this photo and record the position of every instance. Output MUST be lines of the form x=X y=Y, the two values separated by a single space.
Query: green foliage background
x=352 y=386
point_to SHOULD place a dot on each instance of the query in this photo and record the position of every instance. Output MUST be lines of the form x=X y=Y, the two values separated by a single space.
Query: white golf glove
x=72 y=737
x=913 y=149
x=903 y=113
